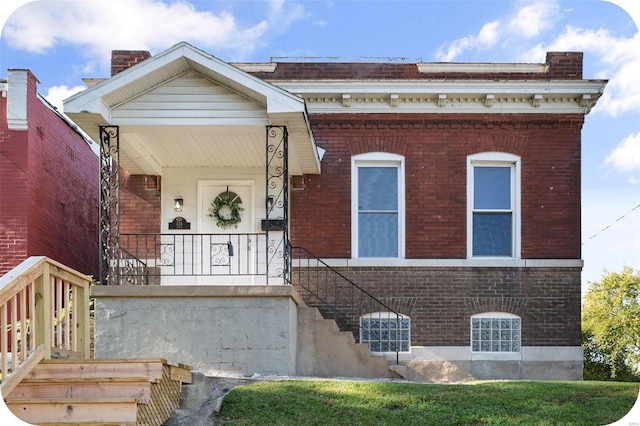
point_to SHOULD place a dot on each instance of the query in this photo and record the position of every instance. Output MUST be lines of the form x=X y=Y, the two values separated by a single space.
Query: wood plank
x=22 y=371
x=67 y=368
x=107 y=361
x=181 y=374
x=87 y=380
x=138 y=388
x=55 y=411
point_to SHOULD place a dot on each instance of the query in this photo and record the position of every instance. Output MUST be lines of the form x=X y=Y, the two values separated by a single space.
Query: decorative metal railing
x=44 y=309
x=353 y=308
x=148 y=258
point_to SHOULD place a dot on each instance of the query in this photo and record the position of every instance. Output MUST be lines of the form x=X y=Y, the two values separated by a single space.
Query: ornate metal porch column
x=278 y=256
x=109 y=203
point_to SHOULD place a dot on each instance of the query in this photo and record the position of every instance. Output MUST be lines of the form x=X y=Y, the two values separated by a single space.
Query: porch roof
x=186 y=108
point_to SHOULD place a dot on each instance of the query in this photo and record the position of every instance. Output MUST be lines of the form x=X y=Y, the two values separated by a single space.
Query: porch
x=219 y=147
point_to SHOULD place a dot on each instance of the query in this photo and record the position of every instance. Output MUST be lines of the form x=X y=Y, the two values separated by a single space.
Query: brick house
x=48 y=181
x=448 y=195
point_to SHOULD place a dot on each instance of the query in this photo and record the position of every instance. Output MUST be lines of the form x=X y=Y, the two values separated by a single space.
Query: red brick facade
x=139 y=204
x=435 y=148
x=48 y=190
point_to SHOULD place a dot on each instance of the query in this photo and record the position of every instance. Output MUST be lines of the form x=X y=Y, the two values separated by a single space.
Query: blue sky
x=61 y=41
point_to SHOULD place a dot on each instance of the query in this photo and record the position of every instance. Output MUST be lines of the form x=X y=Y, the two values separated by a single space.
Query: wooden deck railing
x=44 y=310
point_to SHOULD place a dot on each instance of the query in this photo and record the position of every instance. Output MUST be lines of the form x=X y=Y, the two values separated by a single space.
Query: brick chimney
x=565 y=65
x=123 y=59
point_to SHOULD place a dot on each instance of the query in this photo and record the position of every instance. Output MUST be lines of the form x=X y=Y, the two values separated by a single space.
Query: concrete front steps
x=325 y=351
x=99 y=391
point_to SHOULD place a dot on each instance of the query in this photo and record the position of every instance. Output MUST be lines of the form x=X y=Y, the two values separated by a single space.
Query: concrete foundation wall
x=457 y=363
x=241 y=330
x=325 y=351
x=218 y=330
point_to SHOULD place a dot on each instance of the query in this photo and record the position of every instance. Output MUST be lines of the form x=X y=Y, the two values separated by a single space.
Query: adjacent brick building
x=451 y=192
x=48 y=181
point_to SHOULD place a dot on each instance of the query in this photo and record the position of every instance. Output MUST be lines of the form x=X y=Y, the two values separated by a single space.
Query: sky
x=62 y=41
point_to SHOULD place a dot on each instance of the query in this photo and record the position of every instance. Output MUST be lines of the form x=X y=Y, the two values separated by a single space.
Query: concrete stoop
x=325 y=351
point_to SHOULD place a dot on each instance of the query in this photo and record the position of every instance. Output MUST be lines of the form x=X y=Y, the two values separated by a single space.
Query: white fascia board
x=301 y=141
x=425 y=87
x=285 y=104
x=81 y=107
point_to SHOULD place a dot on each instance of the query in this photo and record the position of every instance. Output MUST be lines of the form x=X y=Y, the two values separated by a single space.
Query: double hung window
x=493 y=224
x=377 y=206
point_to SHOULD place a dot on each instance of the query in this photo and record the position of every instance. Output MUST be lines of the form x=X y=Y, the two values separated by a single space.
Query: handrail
x=42 y=303
x=134 y=270
x=344 y=300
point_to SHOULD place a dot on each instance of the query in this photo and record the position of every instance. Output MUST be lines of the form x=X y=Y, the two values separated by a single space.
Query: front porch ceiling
x=147 y=150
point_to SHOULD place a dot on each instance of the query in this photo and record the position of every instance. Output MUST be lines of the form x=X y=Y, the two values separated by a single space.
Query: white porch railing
x=44 y=309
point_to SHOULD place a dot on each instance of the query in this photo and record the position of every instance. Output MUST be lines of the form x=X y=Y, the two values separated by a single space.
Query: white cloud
x=626 y=156
x=531 y=20
x=56 y=94
x=617 y=56
x=527 y=22
x=101 y=26
x=486 y=38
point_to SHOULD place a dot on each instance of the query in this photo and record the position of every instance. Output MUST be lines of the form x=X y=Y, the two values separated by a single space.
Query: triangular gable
x=190 y=99
x=171 y=63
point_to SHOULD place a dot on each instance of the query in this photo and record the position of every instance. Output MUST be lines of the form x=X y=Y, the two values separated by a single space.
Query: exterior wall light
x=178 y=204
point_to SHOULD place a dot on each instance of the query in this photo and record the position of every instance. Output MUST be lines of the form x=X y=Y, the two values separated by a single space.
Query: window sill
x=458 y=263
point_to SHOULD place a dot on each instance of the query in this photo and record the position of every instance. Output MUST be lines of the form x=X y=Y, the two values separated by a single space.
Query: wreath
x=225 y=210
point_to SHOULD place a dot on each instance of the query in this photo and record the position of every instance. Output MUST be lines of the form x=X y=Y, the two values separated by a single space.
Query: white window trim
x=377 y=159
x=496 y=159
x=387 y=315
x=491 y=355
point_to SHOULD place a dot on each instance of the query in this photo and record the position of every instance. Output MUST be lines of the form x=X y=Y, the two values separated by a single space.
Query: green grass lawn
x=329 y=402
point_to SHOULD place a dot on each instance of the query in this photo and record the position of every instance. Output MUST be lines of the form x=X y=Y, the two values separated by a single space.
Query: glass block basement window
x=495 y=334
x=385 y=332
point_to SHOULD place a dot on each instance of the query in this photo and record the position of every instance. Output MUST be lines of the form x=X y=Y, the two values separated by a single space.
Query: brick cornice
x=429 y=121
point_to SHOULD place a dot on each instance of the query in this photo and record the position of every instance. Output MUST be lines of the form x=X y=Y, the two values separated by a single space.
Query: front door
x=226 y=224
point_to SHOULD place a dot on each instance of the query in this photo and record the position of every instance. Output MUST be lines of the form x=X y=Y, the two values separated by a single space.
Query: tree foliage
x=611 y=327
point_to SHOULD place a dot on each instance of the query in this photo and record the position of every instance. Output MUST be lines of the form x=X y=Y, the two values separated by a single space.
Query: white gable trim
x=176 y=60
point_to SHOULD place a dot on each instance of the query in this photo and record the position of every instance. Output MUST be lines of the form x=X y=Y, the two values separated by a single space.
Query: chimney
x=124 y=59
x=565 y=65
